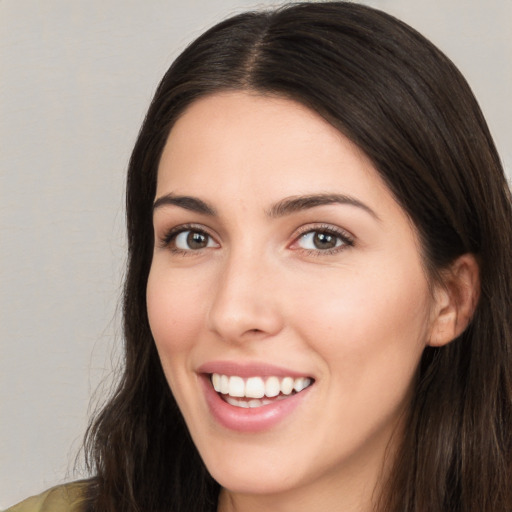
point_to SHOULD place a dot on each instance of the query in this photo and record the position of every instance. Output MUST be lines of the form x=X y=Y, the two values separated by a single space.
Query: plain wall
x=75 y=80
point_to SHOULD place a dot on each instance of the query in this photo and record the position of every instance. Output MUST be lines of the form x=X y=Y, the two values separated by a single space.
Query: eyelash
x=346 y=239
x=170 y=235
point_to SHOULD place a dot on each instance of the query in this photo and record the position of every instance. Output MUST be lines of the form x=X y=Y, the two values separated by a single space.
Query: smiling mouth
x=257 y=391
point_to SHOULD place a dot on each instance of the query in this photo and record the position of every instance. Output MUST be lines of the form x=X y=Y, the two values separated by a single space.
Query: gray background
x=75 y=80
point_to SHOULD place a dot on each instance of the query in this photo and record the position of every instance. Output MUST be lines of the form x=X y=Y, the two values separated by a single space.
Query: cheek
x=174 y=309
x=370 y=334
x=369 y=326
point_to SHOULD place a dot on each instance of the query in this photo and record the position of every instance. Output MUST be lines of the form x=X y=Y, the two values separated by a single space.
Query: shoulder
x=63 y=498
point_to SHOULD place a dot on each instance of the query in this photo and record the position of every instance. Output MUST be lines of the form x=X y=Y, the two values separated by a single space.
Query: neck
x=356 y=492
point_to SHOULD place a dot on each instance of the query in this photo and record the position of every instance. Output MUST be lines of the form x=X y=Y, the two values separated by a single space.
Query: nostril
x=237 y=318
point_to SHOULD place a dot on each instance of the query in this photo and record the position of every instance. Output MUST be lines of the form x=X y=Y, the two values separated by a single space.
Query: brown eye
x=190 y=240
x=317 y=240
x=197 y=240
x=324 y=240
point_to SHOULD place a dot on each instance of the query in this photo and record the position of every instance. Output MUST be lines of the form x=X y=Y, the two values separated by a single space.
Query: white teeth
x=272 y=387
x=236 y=386
x=252 y=404
x=301 y=383
x=287 y=386
x=257 y=387
x=237 y=403
x=216 y=382
x=224 y=384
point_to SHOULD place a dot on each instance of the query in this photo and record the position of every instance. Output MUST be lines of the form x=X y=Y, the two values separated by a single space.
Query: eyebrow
x=187 y=202
x=282 y=208
x=298 y=203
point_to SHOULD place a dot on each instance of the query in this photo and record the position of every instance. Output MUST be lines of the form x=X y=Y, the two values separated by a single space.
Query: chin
x=256 y=482
x=252 y=470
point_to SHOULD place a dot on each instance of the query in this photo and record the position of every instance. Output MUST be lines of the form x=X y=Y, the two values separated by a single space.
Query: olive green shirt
x=63 y=498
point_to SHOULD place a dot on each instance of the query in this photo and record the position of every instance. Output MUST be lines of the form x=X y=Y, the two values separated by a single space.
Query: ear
x=455 y=300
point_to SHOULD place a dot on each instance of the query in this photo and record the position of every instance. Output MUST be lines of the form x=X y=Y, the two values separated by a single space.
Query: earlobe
x=456 y=299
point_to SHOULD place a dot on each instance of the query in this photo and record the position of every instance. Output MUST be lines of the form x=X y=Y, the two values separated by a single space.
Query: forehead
x=237 y=144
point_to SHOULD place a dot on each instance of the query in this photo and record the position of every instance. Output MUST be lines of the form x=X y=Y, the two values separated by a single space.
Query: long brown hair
x=409 y=109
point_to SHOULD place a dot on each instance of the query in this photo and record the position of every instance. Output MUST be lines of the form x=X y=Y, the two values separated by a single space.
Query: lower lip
x=254 y=419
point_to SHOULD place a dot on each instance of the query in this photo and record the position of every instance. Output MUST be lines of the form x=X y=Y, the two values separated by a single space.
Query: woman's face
x=282 y=260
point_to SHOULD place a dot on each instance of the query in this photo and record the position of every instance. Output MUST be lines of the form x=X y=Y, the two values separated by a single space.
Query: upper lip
x=248 y=369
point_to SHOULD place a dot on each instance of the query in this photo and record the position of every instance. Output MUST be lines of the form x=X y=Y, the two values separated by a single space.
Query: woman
x=317 y=304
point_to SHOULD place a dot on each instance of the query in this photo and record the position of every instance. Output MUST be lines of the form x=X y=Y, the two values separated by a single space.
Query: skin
x=356 y=318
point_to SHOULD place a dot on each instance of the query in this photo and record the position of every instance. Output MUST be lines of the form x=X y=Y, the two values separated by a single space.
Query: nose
x=245 y=302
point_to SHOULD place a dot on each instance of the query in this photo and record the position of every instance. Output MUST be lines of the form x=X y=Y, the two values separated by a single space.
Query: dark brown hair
x=409 y=109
